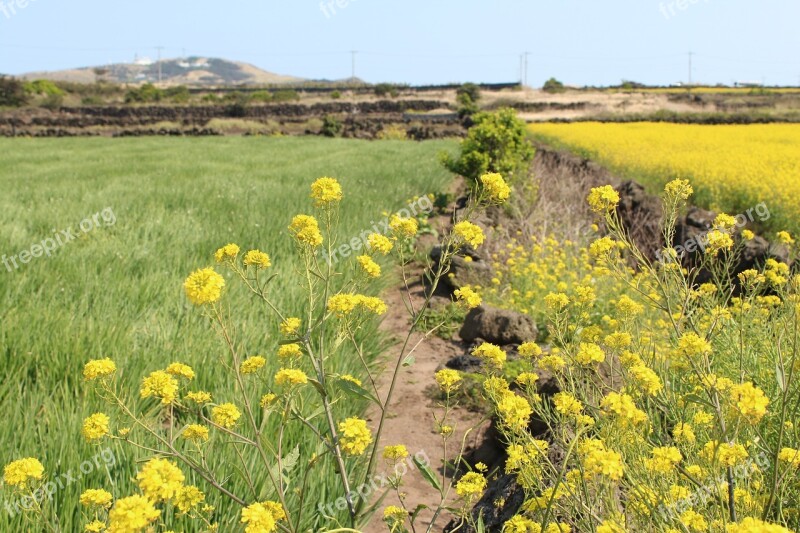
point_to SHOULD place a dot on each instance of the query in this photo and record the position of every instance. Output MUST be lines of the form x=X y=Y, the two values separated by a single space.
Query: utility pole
x=526 y=67
x=353 y=74
x=690 y=67
x=159 y=48
x=521 y=69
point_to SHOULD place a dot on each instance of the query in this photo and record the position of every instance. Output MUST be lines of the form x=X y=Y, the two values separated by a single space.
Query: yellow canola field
x=732 y=167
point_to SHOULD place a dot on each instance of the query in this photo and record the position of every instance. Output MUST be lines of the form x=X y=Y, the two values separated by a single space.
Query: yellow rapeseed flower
x=204 y=286
x=305 y=230
x=354 y=436
x=229 y=252
x=258 y=259
x=18 y=473
x=253 y=364
x=469 y=233
x=368 y=266
x=99 y=368
x=132 y=514
x=326 y=192
x=95 y=427
x=225 y=415
x=160 y=385
x=160 y=480
x=495 y=187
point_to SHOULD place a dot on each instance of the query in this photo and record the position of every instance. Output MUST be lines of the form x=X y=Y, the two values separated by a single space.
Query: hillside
x=192 y=71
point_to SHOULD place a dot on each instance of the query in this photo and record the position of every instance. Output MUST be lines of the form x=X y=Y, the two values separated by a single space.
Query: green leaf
x=356 y=391
x=428 y=474
x=781 y=377
x=319 y=387
x=408 y=361
x=290 y=460
x=418 y=510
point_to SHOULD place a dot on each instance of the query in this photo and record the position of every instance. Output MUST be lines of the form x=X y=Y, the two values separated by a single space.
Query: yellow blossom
x=204 y=286
x=225 y=415
x=160 y=480
x=354 y=436
x=258 y=259
x=326 y=192
x=99 y=368
x=95 y=427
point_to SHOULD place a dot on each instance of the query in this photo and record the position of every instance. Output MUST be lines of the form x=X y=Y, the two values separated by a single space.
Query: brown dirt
x=410 y=418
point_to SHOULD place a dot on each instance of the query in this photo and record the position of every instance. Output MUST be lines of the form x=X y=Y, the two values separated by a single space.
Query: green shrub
x=496 y=143
x=331 y=126
x=147 y=93
x=286 y=95
x=179 y=94
x=12 y=92
x=385 y=89
x=261 y=96
x=53 y=101
x=43 y=87
x=553 y=86
x=335 y=95
x=470 y=90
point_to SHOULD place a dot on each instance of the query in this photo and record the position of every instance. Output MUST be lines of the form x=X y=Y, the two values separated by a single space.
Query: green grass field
x=116 y=290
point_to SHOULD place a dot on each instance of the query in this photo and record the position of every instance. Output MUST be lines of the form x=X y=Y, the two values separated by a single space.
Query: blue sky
x=432 y=41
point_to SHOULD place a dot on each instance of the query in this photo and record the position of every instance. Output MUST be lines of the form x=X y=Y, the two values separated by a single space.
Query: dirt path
x=410 y=418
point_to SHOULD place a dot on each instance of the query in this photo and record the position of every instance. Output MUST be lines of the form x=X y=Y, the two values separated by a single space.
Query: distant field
x=732 y=167
x=116 y=291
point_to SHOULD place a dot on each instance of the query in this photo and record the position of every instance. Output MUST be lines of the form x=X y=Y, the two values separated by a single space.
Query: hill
x=191 y=71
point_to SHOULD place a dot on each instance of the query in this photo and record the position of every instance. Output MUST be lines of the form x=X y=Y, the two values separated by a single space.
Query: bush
x=335 y=95
x=12 y=92
x=43 y=87
x=286 y=95
x=385 y=89
x=331 y=126
x=553 y=86
x=393 y=132
x=53 y=102
x=470 y=90
x=261 y=97
x=147 y=93
x=496 y=143
x=179 y=94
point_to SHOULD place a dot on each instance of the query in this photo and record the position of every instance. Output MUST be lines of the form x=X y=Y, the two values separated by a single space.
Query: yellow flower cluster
x=290 y=326
x=160 y=385
x=603 y=199
x=492 y=354
x=468 y=297
x=99 y=368
x=257 y=259
x=495 y=187
x=18 y=473
x=95 y=427
x=305 y=230
x=344 y=304
x=379 y=243
x=96 y=497
x=253 y=364
x=471 y=485
x=354 y=436
x=326 y=192
x=160 y=480
x=403 y=227
x=262 y=517
x=448 y=379
x=469 y=233
x=225 y=415
x=290 y=376
x=369 y=266
x=204 y=286
x=229 y=252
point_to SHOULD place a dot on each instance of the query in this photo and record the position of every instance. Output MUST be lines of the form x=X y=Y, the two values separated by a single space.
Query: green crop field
x=135 y=216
